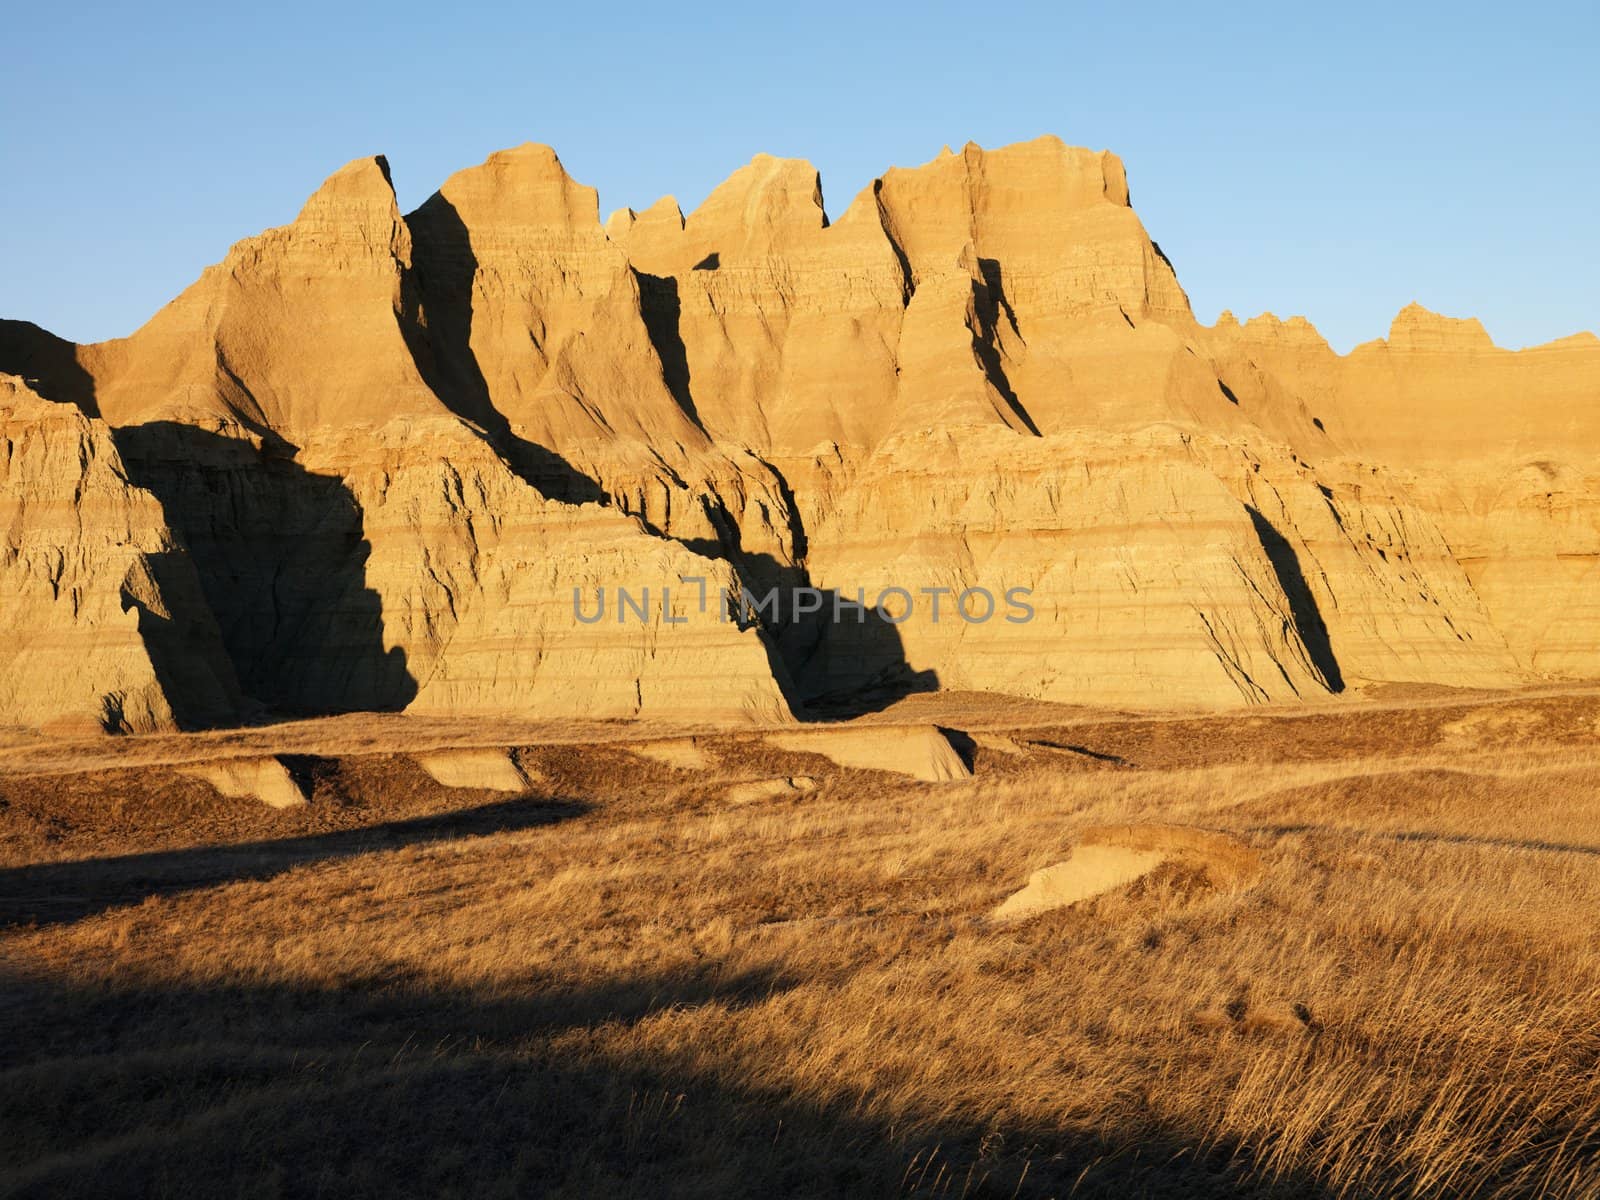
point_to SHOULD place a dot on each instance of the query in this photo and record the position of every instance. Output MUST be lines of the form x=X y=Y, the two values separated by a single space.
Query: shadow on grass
x=1115 y=760
x=59 y=893
x=391 y=1089
x=1531 y=845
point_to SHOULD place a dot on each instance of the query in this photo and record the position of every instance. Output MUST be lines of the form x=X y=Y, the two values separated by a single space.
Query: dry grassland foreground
x=1345 y=950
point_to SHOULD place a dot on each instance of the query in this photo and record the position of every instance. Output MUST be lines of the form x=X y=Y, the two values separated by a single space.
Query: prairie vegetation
x=623 y=983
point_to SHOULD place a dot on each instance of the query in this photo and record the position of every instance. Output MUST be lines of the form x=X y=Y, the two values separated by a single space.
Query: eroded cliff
x=375 y=461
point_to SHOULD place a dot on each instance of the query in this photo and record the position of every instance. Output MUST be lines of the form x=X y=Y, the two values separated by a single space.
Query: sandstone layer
x=494 y=456
x=103 y=623
x=265 y=779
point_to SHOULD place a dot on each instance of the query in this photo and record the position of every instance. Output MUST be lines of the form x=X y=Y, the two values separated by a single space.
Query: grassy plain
x=622 y=983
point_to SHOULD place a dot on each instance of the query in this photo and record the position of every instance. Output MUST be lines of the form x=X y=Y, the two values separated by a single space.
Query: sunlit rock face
x=375 y=460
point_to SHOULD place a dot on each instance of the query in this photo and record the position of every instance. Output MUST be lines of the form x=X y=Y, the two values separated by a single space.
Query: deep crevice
x=989 y=295
x=908 y=280
x=1307 y=617
x=662 y=310
x=436 y=322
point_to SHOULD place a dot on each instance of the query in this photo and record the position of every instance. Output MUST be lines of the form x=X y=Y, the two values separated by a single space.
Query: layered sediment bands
x=102 y=623
x=1161 y=563
x=538 y=331
x=1493 y=448
x=1146 y=579
x=483 y=583
x=366 y=461
x=1527 y=535
x=1376 y=591
x=788 y=325
x=356 y=529
x=297 y=329
x=281 y=553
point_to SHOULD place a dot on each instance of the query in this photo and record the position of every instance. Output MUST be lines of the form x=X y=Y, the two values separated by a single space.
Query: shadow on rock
x=281 y=556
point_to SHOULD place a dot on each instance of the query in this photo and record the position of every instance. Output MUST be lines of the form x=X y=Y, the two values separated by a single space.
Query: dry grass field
x=625 y=983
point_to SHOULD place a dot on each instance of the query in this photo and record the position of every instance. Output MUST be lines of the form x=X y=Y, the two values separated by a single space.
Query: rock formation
x=385 y=461
x=920 y=751
x=103 y=623
x=492 y=770
x=265 y=779
x=1109 y=857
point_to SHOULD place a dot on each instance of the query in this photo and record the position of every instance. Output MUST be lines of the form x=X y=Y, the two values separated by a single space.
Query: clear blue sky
x=1335 y=161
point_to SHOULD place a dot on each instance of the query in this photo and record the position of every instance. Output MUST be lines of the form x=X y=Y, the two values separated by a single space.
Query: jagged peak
x=49 y=364
x=19 y=397
x=766 y=192
x=656 y=227
x=360 y=188
x=1582 y=340
x=664 y=211
x=1418 y=328
x=531 y=163
x=535 y=152
x=1092 y=173
x=355 y=207
x=521 y=186
x=1268 y=327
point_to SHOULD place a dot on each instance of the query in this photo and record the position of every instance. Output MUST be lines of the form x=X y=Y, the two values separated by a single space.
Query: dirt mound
x=1491 y=726
x=999 y=743
x=263 y=779
x=920 y=751
x=492 y=770
x=768 y=789
x=684 y=754
x=1114 y=856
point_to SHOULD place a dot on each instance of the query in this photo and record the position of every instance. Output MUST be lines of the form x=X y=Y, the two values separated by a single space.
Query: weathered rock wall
x=365 y=461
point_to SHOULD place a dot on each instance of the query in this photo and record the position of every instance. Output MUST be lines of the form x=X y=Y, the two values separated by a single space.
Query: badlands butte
x=365 y=461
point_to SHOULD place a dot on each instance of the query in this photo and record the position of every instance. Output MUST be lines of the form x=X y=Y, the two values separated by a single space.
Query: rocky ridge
x=375 y=460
